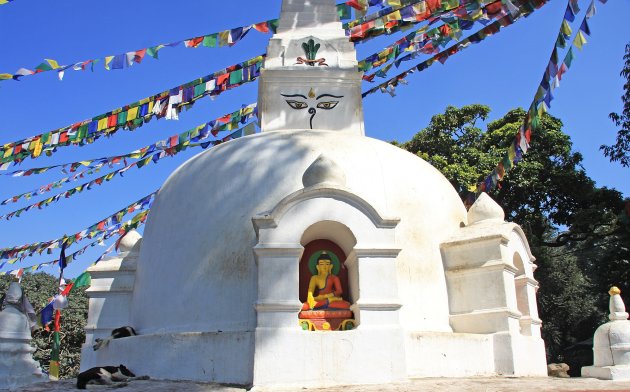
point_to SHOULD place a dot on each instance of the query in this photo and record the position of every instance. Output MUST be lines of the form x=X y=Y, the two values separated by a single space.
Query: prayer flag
x=579 y=40
x=62 y=256
x=584 y=27
x=568 y=14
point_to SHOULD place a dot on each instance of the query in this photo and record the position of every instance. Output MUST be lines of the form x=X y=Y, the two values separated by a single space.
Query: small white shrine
x=611 y=343
x=17 y=366
x=310 y=255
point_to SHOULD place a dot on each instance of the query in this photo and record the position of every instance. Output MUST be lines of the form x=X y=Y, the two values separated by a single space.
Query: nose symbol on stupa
x=312 y=102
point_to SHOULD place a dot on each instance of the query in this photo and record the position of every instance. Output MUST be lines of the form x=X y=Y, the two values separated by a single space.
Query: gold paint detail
x=311 y=94
x=614 y=290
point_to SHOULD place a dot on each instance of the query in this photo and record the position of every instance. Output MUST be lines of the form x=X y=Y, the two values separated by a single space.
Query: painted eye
x=297 y=104
x=327 y=105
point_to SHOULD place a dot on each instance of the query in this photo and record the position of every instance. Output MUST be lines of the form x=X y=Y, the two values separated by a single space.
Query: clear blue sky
x=502 y=72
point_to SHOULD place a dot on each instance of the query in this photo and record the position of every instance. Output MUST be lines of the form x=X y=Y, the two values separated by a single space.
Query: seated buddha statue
x=324 y=289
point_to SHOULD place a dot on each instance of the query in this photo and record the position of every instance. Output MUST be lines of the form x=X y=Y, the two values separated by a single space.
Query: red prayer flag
x=139 y=55
x=262 y=27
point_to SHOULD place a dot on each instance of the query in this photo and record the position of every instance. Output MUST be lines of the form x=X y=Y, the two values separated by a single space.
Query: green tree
x=620 y=151
x=39 y=288
x=572 y=225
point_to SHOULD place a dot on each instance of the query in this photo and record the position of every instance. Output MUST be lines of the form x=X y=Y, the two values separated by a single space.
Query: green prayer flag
x=153 y=51
x=561 y=42
x=343 y=10
x=568 y=59
x=199 y=90
x=122 y=118
x=236 y=77
x=273 y=25
x=81 y=281
x=210 y=41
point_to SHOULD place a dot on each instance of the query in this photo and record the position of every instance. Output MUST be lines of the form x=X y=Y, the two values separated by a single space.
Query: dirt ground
x=495 y=384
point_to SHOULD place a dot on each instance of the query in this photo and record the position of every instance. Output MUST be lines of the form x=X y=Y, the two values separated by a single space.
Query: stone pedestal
x=17 y=366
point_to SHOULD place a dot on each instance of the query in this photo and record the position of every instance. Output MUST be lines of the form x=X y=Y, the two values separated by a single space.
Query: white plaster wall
x=196 y=270
x=451 y=355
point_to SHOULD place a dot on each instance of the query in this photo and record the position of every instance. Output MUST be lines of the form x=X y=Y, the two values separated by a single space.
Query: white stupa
x=219 y=291
x=17 y=366
x=611 y=343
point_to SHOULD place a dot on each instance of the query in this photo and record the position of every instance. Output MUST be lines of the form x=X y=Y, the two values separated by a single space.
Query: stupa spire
x=310 y=78
x=309 y=14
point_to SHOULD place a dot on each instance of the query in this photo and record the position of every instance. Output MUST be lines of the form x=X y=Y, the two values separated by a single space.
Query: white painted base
x=439 y=354
x=621 y=372
x=17 y=366
x=294 y=358
x=222 y=357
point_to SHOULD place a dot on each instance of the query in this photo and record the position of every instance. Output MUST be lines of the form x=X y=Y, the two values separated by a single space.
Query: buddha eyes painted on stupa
x=312 y=102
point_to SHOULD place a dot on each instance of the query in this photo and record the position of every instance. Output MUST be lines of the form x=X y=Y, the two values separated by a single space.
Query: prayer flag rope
x=145 y=160
x=428 y=41
x=166 y=104
x=21 y=252
x=542 y=99
x=524 y=8
x=169 y=146
x=119 y=229
x=111 y=223
x=223 y=38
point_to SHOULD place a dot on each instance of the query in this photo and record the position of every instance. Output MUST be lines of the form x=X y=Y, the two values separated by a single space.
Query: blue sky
x=502 y=72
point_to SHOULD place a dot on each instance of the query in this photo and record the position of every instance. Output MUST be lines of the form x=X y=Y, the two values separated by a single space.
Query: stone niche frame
x=287 y=355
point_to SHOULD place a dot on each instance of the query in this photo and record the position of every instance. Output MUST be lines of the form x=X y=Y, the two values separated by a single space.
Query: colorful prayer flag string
x=166 y=104
x=110 y=223
x=542 y=99
x=229 y=37
x=166 y=147
x=429 y=41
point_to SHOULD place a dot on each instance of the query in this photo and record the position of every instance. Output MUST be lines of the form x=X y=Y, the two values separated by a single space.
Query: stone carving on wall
x=310 y=50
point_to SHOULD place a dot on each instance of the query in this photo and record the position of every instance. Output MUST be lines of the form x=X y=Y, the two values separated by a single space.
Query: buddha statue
x=325 y=308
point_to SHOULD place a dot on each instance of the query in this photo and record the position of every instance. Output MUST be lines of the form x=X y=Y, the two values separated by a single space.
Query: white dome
x=199 y=238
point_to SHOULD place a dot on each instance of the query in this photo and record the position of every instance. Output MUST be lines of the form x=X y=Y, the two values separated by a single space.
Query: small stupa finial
x=616 y=305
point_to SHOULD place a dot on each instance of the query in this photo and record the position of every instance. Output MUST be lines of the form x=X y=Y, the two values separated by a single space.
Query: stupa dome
x=199 y=238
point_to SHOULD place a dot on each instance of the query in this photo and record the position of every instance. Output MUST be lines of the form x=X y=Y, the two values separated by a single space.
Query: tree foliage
x=39 y=288
x=620 y=151
x=573 y=226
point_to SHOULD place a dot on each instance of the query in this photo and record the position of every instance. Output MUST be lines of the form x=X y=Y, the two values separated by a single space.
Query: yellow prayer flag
x=132 y=114
x=102 y=124
x=224 y=36
x=579 y=40
x=85 y=163
x=7 y=152
x=542 y=108
x=394 y=16
x=394 y=3
x=150 y=109
x=37 y=148
x=52 y=63
x=566 y=28
x=6 y=76
x=108 y=60
x=511 y=152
